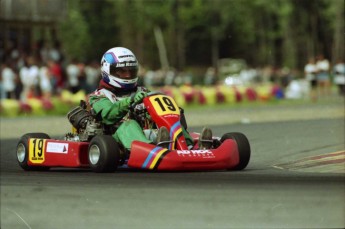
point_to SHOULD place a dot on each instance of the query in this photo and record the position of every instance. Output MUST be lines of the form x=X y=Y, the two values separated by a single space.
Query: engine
x=85 y=124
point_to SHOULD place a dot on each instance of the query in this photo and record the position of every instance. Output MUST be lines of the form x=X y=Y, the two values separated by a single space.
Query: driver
x=117 y=90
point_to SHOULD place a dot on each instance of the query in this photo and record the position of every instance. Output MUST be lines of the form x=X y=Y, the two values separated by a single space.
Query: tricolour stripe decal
x=155 y=156
x=155 y=163
x=175 y=132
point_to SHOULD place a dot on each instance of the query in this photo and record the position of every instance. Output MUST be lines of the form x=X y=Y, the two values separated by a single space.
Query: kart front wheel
x=104 y=154
x=22 y=151
x=243 y=148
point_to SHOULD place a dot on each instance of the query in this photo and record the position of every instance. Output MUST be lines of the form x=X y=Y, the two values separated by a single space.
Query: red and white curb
x=325 y=163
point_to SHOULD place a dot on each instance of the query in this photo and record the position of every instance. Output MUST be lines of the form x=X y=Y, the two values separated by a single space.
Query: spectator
x=44 y=52
x=141 y=75
x=73 y=74
x=56 y=76
x=54 y=52
x=169 y=77
x=149 y=78
x=210 y=76
x=8 y=81
x=82 y=77
x=322 y=76
x=45 y=82
x=29 y=77
x=285 y=77
x=310 y=75
x=339 y=76
x=93 y=75
x=49 y=52
x=2 y=92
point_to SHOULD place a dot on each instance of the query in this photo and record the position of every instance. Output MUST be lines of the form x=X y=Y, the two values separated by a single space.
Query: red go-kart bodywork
x=36 y=151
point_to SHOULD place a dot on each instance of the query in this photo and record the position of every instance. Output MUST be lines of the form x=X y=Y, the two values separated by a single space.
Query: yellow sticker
x=164 y=105
x=36 y=150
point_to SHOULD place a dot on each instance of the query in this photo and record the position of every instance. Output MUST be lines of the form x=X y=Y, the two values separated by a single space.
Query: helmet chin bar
x=121 y=83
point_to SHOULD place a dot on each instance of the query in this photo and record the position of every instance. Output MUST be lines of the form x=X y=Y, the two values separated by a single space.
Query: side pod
x=151 y=157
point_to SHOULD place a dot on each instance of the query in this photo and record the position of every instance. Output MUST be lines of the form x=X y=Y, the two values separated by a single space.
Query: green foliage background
x=199 y=32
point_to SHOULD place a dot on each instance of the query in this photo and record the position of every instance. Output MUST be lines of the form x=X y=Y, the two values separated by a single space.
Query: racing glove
x=139 y=96
x=136 y=98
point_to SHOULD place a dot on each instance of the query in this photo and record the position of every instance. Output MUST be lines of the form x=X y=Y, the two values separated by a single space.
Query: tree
x=74 y=32
x=199 y=32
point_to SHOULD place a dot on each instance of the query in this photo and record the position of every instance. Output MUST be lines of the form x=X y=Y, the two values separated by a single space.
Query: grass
x=335 y=100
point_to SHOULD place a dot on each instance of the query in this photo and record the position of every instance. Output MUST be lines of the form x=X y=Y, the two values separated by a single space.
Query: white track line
x=19 y=217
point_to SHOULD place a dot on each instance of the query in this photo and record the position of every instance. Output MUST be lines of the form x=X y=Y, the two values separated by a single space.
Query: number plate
x=37 y=150
x=164 y=105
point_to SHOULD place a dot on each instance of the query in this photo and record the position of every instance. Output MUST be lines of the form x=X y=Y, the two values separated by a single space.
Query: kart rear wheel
x=243 y=148
x=104 y=154
x=22 y=151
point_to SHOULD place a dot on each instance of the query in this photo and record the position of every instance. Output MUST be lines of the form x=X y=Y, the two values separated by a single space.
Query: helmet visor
x=126 y=72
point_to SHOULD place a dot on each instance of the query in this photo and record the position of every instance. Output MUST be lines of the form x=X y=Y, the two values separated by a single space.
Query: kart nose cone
x=94 y=154
x=21 y=152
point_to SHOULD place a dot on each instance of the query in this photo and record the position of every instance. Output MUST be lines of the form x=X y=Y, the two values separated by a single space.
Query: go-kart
x=90 y=144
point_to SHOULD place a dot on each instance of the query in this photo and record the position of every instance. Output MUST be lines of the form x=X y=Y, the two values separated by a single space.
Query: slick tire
x=22 y=151
x=243 y=148
x=103 y=154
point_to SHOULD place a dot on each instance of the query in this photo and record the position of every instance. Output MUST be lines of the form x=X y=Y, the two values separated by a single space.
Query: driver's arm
x=110 y=112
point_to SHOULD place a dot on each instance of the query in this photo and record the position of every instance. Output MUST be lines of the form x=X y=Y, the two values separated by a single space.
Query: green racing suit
x=113 y=111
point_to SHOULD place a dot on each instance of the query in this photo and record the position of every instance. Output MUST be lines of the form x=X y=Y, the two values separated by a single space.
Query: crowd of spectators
x=320 y=75
x=43 y=73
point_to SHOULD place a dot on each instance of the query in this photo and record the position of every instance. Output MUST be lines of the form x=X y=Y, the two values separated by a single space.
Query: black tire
x=243 y=148
x=22 y=151
x=103 y=154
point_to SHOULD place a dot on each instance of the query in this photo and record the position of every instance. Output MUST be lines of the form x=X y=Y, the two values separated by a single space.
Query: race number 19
x=36 y=150
x=164 y=105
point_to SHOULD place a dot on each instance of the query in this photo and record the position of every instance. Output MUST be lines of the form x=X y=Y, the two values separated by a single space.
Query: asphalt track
x=265 y=195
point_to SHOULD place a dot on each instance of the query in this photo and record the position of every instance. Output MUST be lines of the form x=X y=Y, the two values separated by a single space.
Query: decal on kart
x=164 y=105
x=196 y=153
x=37 y=150
x=154 y=158
x=175 y=133
x=56 y=147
